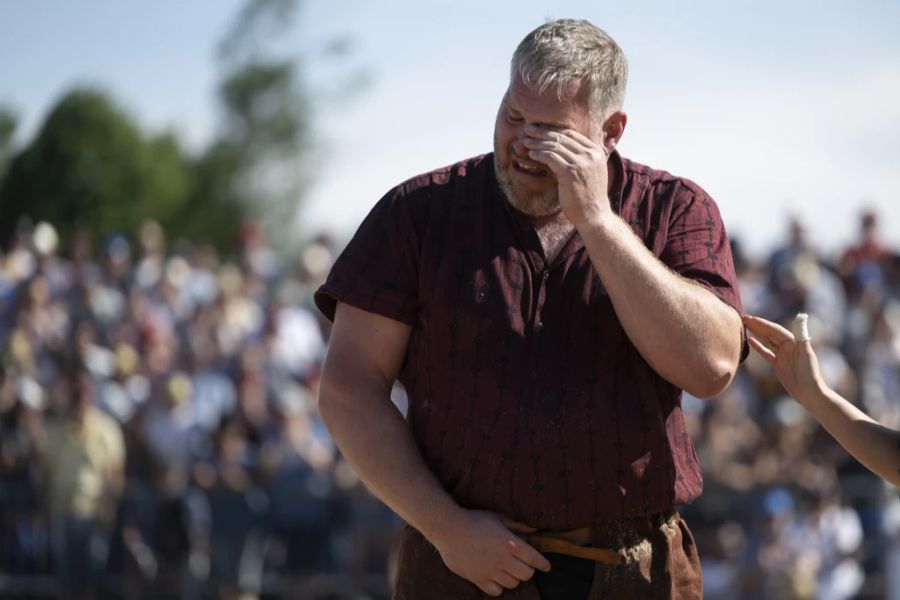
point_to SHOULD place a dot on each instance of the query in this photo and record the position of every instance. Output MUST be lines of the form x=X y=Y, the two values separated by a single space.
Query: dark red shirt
x=525 y=395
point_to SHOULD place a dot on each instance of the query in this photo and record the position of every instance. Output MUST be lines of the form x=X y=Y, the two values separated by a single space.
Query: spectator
x=83 y=456
x=282 y=500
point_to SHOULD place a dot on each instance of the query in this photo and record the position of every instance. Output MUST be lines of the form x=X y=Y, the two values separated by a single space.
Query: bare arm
x=364 y=358
x=689 y=336
x=796 y=365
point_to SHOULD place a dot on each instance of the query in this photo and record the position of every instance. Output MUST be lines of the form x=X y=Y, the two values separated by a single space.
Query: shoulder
x=434 y=195
x=446 y=181
x=663 y=185
x=105 y=426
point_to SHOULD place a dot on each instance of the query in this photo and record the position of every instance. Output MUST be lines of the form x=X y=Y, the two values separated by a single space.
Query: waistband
x=612 y=542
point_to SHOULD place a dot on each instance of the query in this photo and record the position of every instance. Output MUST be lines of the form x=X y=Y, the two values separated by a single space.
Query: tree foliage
x=89 y=164
x=8 y=124
x=265 y=138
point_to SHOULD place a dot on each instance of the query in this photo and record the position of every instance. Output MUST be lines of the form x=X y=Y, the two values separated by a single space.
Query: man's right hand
x=481 y=547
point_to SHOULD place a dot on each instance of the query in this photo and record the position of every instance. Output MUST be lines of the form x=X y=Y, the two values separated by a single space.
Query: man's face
x=530 y=186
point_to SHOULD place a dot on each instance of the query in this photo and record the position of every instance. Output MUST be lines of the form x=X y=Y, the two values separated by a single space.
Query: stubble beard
x=536 y=204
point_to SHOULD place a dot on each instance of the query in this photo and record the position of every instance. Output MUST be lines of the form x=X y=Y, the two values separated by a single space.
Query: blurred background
x=176 y=180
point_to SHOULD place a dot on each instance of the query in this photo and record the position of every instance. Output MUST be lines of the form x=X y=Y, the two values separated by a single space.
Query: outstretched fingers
x=773 y=333
x=763 y=350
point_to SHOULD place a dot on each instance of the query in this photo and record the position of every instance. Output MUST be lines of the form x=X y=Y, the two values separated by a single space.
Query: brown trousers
x=660 y=561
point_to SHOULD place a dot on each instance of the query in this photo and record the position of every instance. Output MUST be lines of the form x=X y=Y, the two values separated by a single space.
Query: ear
x=613 y=128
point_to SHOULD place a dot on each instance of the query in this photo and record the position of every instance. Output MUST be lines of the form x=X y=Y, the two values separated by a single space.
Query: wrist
x=812 y=393
x=443 y=524
x=600 y=221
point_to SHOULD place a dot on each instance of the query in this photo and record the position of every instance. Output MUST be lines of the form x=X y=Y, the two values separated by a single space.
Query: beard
x=533 y=204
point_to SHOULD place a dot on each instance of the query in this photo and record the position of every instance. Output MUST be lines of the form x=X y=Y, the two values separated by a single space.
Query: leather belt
x=574 y=542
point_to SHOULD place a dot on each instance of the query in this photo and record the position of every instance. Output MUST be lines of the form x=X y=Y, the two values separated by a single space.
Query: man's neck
x=553 y=231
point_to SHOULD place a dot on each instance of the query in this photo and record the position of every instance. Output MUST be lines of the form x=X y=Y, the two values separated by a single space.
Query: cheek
x=504 y=137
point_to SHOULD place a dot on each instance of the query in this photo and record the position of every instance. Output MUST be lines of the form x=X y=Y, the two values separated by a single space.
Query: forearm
x=689 y=336
x=874 y=445
x=373 y=436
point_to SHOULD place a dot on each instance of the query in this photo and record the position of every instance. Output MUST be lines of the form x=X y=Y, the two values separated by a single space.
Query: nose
x=518 y=145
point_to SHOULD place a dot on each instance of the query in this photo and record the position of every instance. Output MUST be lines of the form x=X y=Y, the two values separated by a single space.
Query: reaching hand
x=872 y=444
x=484 y=550
x=795 y=363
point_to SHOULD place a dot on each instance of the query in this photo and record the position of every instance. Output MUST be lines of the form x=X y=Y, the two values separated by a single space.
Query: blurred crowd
x=159 y=435
x=158 y=428
x=785 y=512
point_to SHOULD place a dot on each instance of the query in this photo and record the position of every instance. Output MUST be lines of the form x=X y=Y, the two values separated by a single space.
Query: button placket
x=544 y=276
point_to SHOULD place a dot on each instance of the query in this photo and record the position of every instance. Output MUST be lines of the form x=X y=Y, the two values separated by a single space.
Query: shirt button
x=546 y=275
x=539 y=326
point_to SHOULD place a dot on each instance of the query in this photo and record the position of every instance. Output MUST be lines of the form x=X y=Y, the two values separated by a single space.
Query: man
x=544 y=306
x=83 y=459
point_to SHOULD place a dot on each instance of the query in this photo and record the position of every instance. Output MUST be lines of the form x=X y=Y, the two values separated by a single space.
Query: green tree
x=8 y=123
x=213 y=212
x=91 y=165
x=259 y=163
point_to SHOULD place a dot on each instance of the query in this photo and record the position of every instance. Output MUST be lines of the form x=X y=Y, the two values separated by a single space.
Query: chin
x=533 y=204
x=536 y=206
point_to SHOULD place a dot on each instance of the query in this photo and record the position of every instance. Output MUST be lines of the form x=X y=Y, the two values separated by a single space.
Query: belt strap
x=571 y=543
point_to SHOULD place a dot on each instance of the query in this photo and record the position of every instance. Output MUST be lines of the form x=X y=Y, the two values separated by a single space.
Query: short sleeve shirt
x=78 y=462
x=526 y=396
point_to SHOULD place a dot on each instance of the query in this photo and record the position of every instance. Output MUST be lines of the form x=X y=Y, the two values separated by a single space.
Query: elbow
x=718 y=355
x=712 y=379
x=715 y=368
x=344 y=399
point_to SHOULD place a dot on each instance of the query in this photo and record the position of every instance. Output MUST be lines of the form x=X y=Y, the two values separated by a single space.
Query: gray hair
x=566 y=50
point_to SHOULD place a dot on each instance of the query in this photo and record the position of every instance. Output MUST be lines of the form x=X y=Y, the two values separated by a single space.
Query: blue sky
x=772 y=107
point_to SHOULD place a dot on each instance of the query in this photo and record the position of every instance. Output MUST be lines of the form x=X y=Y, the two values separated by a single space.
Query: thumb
x=810 y=354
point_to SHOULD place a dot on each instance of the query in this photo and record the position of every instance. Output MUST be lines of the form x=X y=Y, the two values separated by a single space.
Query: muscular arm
x=689 y=336
x=364 y=357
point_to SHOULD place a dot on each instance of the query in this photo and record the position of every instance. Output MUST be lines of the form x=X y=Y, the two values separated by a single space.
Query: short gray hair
x=566 y=50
